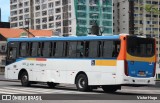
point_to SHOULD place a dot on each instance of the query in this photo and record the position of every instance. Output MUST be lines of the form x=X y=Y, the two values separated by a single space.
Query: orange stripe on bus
x=40 y=59
x=143 y=59
x=106 y=62
x=33 y=59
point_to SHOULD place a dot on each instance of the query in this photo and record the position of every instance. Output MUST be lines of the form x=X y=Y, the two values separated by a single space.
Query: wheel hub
x=24 y=79
x=81 y=83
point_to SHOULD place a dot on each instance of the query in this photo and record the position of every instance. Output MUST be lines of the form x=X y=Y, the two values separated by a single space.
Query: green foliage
x=152 y=9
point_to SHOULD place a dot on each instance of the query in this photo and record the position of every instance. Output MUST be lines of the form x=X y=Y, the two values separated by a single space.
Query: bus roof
x=114 y=37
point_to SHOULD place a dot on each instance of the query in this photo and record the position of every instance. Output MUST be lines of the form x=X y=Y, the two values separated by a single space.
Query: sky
x=5 y=10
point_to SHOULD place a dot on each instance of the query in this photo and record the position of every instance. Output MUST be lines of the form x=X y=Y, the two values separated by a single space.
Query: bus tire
x=82 y=83
x=51 y=84
x=110 y=88
x=25 y=79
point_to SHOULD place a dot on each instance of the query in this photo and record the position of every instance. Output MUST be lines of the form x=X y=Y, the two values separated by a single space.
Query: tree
x=151 y=9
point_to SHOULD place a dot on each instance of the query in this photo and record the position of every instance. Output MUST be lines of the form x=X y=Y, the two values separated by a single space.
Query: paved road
x=67 y=91
x=7 y=87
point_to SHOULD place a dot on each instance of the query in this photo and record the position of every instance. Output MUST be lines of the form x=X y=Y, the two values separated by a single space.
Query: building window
x=14 y=19
x=37 y=14
x=58 y=3
x=37 y=7
x=20 y=17
x=20 y=23
x=20 y=11
x=44 y=20
x=20 y=5
x=44 y=13
x=37 y=21
x=38 y=27
x=58 y=30
x=50 y=5
x=51 y=18
x=58 y=10
x=26 y=3
x=13 y=25
x=51 y=25
x=44 y=6
x=58 y=17
x=58 y=24
x=43 y=1
x=13 y=13
x=37 y=1
x=50 y=12
x=26 y=16
x=44 y=26
x=13 y=7
x=26 y=10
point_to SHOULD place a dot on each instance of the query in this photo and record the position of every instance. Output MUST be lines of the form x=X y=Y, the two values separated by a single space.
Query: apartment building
x=123 y=17
x=66 y=17
x=130 y=16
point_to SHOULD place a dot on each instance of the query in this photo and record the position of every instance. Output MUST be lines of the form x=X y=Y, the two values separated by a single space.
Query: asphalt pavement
x=2 y=78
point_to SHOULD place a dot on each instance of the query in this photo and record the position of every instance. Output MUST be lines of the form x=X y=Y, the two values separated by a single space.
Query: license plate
x=141 y=73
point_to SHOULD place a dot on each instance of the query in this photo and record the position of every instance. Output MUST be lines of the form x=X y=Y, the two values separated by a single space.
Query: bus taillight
x=126 y=68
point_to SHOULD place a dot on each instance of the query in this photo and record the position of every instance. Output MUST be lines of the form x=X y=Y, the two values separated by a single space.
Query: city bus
x=89 y=62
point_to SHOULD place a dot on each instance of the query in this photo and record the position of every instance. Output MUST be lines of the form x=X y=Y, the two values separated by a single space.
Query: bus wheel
x=82 y=83
x=51 y=84
x=110 y=89
x=24 y=79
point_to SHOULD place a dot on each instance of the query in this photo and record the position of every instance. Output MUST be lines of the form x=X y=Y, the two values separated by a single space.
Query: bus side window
x=23 y=49
x=80 y=49
x=93 y=49
x=59 y=49
x=108 y=49
x=34 y=49
x=46 y=49
x=72 y=49
x=12 y=53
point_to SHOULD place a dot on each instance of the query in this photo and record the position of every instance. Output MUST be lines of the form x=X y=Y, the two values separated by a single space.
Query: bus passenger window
x=46 y=49
x=108 y=49
x=34 y=49
x=59 y=49
x=80 y=49
x=23 y=49
x=12 y=53
x=93 y=49
x=72 y=49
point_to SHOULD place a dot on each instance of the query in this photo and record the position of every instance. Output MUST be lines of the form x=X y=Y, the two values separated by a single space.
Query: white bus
x=87 y=61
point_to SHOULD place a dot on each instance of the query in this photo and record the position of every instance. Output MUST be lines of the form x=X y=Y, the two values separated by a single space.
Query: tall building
x=68 y=17
x=132 y=16
x=123 y=16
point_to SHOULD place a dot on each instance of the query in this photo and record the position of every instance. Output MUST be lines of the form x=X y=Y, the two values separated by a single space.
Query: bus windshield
x=140 y=47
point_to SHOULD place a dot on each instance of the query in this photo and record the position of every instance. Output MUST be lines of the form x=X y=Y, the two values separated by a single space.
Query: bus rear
x=140 y=61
